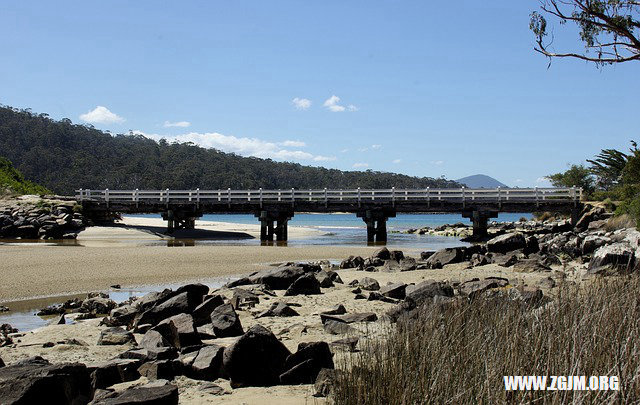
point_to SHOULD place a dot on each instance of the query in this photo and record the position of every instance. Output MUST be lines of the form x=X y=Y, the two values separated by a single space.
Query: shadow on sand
x=205 y=234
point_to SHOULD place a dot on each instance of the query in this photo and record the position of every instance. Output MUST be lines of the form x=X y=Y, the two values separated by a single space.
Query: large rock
x=325 y=279
x=225 y=321
x=35 y=381
x=257 y=358
x=115 y=336
x=98 y=305
x=382 y=254
x=507 y=243
x=369 y=284
x=474 y=288
x=593 y=242
x=149 y=394
x=304 y=285
x=617 y=258
x=153 y=340
x=279 y=309
x=115 y=371
x=161 y=369
x=350 y=318
x=173 y=306
x=445 y=256
x=591 y=215
x=425 y=291
x=352 y=262
x=304 y=365
x=179 y=330
x=202 y=313
x=123 y=315
x=395 y=290
x=325 y=382
x=403 y=264
x=279 y=278
x=208 y=363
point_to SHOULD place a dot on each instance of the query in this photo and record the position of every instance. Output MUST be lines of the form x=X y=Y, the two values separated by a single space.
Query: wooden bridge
x=275 y=208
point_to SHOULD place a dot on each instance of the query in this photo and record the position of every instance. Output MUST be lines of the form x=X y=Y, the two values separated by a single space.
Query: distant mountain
x=62 y=157
x=481 y=181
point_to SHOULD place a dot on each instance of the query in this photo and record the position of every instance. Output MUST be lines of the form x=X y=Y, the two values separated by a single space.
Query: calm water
x=347 y=229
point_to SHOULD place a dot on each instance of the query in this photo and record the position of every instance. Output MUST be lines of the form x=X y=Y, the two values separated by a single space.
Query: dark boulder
x=35 y=381
x=115 y=336
x=507 y=243
x=153 y=340
x=149 y=394
x=325 y=382
x=279 y=309
x=279 y=278
x=202 y=313
x=350 y=318
x=446 y=256
x=115 y=371
x=336 y=310
x=382 y=254
x=225 y=321
x=161 y=369
x=179 y=330
x=98 y=305
x=352 y=262
x=207 y=365
x=304 y=365
x=616 y=258
x=123 y=315
x=426 y=290
x=257 y=358
x=369 y=284
x=242 y=298
x=324 y=279
x=304 y=285
x=173 y=306
x=395 y=290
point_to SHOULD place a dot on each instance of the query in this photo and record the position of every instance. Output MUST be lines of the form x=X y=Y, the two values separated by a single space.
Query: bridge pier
x=179 y=219
x=480 y=219
x=274 y=223
x=376 y=221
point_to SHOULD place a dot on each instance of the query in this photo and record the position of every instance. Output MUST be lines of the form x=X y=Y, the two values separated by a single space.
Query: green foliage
x=576 y=176
x=609 y=29
x=65 y=157
x=13 y=182
x=608 y=166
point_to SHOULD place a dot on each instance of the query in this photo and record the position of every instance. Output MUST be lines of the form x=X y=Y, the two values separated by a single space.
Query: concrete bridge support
x=274 y=223
x=178 y=219
x=480 y=219
x=376 y=221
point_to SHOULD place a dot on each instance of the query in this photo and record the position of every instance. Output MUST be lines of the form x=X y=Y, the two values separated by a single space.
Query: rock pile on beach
x=43 y=219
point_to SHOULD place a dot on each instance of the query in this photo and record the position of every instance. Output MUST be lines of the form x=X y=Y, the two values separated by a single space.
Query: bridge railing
x=229 y=196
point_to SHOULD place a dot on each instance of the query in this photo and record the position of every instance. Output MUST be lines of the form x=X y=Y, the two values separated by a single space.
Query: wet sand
x=104 y=256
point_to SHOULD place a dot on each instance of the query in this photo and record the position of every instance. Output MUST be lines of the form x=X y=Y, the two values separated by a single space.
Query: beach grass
x=459 y=354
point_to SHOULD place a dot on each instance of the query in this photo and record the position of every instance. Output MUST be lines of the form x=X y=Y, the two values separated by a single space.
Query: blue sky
x=424 y=88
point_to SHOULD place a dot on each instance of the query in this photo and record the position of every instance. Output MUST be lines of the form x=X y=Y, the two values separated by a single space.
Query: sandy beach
x=129 y=254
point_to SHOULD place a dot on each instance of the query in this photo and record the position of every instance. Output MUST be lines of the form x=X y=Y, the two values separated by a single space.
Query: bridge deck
x=354 y=200
x=181 y=207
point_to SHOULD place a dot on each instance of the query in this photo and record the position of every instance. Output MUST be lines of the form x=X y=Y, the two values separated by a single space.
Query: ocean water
x=347 y=229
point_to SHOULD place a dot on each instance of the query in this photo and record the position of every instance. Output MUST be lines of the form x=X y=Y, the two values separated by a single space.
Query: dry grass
x=459 y=354
x=620 y=222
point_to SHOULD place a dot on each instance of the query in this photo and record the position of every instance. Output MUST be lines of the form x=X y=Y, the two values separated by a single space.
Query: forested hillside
x=13 y=182
x=63 y=156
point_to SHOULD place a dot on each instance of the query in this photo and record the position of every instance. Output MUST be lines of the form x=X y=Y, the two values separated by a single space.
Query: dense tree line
x=63 y=156
x=13 y=182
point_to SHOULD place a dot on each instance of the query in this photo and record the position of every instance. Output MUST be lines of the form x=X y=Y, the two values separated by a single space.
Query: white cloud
x=243 y=146
x=101 y=115
x=376 y=146
x=360 y=165
x=344 y=151
x=437 y=162
x=332 y=104
x=396 y=161
x=179 y=124
x=541 y=179
x=294 y=144
x=363 y=149
x=518 y=180
x=301 y=103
